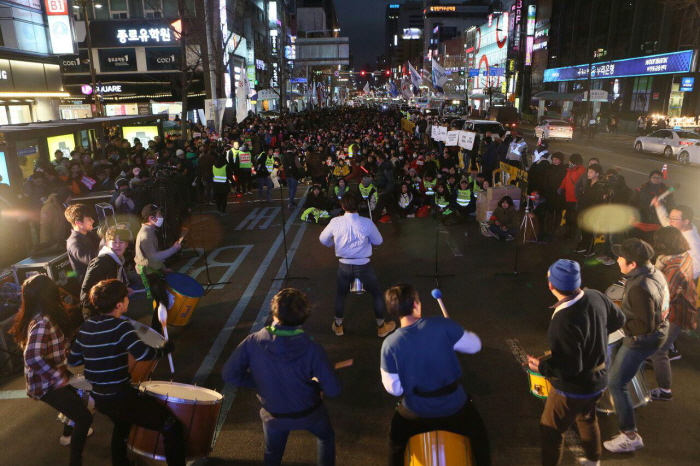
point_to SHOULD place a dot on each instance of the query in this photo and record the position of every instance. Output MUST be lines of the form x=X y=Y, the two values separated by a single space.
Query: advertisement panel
x=133 y=32
x=490 y=50
x=163 y=58
x=144 y=133
x=665 y=63
x=116 y=60
x=65 y=143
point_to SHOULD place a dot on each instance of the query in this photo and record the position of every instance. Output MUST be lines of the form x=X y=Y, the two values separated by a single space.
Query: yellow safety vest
x=351 y=150
x=364 y=191
x=337 y=192
x=464 y=197
x=219 y=174
x=246 y=159
x=430 y=187
x=270 y=163
x=233 y=155
x=441 y=200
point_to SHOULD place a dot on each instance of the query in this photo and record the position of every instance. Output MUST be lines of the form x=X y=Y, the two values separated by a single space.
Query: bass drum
x=438 y=448
x=637 y=386
x=615 y=293
x=141 y=370
x=196 y=408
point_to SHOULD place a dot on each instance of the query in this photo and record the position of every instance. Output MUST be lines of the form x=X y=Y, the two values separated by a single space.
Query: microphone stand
x=515 y=271
x=436 y=276
x=286 y=277
x=208 y=286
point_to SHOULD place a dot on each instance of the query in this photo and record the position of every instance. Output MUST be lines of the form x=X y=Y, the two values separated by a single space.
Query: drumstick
x=437 y=294
x=163 y=317
x=341 y=364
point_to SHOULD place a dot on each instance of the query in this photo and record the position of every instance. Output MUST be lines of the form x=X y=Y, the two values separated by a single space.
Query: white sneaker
x=623 y=444
x=65 y=439
x=587 y=462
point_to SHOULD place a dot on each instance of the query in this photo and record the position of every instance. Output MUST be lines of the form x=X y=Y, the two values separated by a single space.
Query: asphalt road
x=248 y=247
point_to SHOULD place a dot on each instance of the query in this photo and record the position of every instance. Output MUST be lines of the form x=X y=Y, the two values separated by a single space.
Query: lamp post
x=83 y=6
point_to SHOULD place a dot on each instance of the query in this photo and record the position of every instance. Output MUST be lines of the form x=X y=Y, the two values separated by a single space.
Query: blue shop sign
x=687 y=84
x=473 y=72
x=665 y=63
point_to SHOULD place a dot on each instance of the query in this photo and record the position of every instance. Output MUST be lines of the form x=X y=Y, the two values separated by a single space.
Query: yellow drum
x=439 y=448
x=184 y=293
x=539 y=386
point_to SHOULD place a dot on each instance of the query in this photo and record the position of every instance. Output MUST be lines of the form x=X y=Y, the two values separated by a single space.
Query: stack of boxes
x=487 y=201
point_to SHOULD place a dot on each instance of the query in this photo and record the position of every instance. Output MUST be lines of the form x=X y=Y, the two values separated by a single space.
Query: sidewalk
x=580 y=134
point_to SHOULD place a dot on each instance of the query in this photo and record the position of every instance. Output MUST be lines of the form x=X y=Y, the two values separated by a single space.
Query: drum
x=539 y=386
x=615 y=292
x=197 y=409
x=184 y=293
x=141 y=370
x=83 y=388
x=438 y=448
x=637 y=386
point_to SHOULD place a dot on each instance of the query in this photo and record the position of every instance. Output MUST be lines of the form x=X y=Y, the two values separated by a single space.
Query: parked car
x=507 y=116
x=554 y=129
x=690 y=154
x=668 y=142
x=482 y=126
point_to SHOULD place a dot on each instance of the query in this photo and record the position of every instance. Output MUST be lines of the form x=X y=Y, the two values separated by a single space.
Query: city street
x=507 y=312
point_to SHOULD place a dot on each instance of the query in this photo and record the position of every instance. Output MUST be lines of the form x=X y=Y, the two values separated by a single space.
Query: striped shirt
x=44 y=357
x=103 y=345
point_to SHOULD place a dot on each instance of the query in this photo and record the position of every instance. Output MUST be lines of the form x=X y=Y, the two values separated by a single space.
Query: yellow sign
x=407 y=125
x=443 y=8
x=512 y=175
x=144 y=133
x=65 y=143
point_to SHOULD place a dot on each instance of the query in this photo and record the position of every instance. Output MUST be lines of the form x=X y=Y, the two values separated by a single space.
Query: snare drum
x=83 y=388
x=638 y=391
x=539 y=386
x=438 y=448
x=615 y=292
x=184 y=293
x=196 y=408
x=141 y=370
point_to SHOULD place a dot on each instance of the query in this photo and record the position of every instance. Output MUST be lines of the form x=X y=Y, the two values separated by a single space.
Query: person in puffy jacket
x=568 y=189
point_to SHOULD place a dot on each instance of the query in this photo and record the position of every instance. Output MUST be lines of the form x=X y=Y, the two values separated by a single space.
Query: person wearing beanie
x=645 y=303
x=578 y=339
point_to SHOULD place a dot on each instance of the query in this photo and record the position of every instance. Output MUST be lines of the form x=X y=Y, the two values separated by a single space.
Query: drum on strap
x=196 y=408
x=615 y=292
x=637 y=386
x=141 y=370
x=184 y=293
x=539 y=385
x=83 y=388
x=439 y=448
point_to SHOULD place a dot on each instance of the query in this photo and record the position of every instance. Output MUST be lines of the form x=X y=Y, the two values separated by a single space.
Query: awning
x=596 y=96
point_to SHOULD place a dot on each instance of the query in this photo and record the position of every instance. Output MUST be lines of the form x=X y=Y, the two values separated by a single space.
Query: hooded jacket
x=568 y=184
x=280 y=368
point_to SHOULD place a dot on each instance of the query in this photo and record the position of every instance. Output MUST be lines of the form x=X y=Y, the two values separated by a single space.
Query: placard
x=452 y=138
x=433 y=133
x=466 y=139
x=441 y=133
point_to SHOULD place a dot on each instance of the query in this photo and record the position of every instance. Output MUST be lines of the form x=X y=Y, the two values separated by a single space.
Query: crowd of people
x=363 y=167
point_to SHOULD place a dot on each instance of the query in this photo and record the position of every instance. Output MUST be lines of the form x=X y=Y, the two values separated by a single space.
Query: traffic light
x=387 y=73
x=362 y=73
x=461 y=72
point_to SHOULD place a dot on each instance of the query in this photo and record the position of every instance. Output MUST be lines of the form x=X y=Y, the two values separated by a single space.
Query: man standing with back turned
x=353 y=237
x=578 y=339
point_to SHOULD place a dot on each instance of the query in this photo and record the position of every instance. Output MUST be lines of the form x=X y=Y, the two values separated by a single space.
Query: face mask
x=159 y=222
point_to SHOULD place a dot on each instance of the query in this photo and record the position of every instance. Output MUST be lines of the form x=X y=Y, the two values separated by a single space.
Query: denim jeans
x=662 y=365
x=262 y=182
x=292 y=183
x=625 y=366
x=346 y=274
x=276 y=432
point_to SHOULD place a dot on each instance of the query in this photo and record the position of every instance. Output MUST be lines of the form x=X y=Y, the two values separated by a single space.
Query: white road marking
x=213 y=263
x=13 y=394
x=450 y=242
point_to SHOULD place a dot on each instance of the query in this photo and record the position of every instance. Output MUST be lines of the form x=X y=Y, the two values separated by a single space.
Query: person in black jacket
x=289 y=371
x=594 y=192
x=109 y=264
x=293 y=171
x=550 y=212
x=385 y=182
x=83 y=244
x=578 y=339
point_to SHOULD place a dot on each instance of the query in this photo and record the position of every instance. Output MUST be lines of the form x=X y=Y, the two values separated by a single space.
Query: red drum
x=197 y=409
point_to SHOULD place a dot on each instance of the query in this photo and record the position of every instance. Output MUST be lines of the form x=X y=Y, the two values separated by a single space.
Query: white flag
x=241 y=101
x=416 y=79
x=439 y=77
x=366 y=88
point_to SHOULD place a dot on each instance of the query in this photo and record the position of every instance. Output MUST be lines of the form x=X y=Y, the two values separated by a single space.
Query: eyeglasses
x=676 y=219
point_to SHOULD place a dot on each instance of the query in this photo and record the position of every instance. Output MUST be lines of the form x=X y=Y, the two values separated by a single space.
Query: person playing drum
x=418 y=361
x=291 y=373
x=103 y=345
x=578 y=339
x=42 y=328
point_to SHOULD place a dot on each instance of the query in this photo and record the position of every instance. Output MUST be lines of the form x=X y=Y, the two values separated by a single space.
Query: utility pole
x=282 y=76
x=183 y=65
x=93 y=72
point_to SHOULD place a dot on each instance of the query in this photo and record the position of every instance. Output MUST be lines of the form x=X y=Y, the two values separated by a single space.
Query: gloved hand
x=168 y=347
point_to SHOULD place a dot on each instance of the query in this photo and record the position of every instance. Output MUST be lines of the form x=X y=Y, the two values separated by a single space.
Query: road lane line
x=13 y=394
x=271 y=217
x=450 y=242
x=217 y=348
x=251 y=216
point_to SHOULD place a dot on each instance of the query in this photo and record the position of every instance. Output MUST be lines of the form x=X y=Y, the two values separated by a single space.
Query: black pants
x=571 y=217
x=388 y=199
x=467 y=421
x=67 y=401
x=144 y=411
x=221 y=191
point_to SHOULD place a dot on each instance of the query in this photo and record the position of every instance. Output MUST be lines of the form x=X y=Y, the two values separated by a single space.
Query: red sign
x=56 y=7
x=655 y=96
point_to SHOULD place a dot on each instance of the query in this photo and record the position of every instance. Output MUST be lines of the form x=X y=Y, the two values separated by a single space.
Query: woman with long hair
x=676 y=264
x=42 y=329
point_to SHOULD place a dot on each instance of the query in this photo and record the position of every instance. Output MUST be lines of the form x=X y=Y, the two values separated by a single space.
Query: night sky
x=363 y=22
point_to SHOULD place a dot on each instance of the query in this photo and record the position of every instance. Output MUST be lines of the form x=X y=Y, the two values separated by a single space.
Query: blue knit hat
x=565 y=275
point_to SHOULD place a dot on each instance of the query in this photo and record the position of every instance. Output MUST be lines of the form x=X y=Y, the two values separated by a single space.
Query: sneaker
x=609 y=261
x=602 y=258
x=338 y=329
x=510 y=238
x=623 y=444
x=587 y=462
x=674 y=354
x=589 y=254
x=580 y=250
x=661 y=395
x=386 y=329
x=65 y=439
x=224 y=214
x=411 y=216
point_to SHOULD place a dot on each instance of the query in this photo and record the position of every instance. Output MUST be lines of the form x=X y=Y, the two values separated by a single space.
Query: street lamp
x=83 y=6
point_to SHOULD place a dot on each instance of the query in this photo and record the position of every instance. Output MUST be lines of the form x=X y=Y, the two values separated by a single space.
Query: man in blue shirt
x=353 y=237
x=291 y=373
x=419 y=362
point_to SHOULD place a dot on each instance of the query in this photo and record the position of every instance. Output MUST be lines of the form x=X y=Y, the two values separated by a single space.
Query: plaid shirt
x=44 y=357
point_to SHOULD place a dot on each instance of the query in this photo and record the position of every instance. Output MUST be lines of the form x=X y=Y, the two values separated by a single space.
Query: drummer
x=149 y=259
x=103 y=345
x=578 y=338
x=42 y=329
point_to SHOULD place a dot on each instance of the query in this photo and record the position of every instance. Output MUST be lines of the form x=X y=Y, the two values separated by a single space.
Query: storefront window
x=19 y=114
x=117 y=5
x=675 y=103
x=3 y=116
x=27 y=156
x=641 y=94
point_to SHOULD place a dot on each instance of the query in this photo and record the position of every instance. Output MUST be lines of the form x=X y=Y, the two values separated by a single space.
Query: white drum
x=615 y=293
x=141 y=370
x=616 y=336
